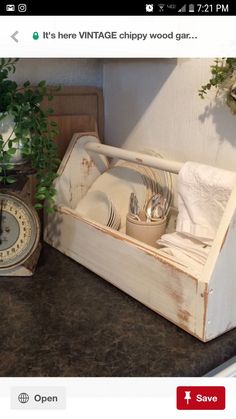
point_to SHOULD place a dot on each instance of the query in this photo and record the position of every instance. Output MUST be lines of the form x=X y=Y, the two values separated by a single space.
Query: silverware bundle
x=134 y=208
x=154 y=209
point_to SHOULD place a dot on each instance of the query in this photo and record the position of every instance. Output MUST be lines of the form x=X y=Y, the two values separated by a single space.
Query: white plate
x=119 y=183
x=157 y=181
x=96 y=205
x=151 y=180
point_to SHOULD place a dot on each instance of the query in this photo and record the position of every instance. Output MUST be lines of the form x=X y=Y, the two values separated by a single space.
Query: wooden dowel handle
x=136 y=157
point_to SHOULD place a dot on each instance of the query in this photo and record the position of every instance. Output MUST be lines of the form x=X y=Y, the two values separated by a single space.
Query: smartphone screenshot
x=117 y=210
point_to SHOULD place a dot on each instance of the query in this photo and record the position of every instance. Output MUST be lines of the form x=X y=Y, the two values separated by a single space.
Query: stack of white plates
x=163 y=178
x=148 y=179
x=98 y=206
x=107 y=200
x=118 y=183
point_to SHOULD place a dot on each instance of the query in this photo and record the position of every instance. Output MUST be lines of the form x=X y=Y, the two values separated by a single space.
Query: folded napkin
x=181 y=259
x=190 y=247
x=203 y=192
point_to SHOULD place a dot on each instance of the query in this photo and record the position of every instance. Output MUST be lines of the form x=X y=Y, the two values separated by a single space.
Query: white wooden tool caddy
x=203 y=306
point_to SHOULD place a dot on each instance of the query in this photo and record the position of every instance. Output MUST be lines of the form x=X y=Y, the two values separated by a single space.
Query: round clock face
x=19 y=231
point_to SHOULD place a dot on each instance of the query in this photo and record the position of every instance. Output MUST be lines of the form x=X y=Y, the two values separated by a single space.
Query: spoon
x=160 y=210
x=151 y=206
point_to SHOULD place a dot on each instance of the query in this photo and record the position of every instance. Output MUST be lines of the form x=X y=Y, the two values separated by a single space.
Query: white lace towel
x=203 y=192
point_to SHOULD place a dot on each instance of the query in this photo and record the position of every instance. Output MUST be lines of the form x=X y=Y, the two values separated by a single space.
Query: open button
x=38 y=398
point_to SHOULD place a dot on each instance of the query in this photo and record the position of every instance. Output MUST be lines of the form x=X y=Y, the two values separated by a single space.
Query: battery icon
x=191 y=8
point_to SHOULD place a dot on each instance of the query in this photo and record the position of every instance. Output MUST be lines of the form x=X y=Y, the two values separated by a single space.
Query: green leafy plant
x=32 y=130
x=223 y=79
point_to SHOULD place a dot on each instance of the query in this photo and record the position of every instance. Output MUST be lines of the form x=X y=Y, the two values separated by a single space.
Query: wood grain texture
x=71 y=102
x=68 y=125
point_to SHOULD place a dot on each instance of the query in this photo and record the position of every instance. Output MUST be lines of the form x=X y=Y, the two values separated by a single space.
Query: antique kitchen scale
x=19 y=227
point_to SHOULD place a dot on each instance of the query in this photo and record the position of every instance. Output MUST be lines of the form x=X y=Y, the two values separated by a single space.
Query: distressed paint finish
x=78 y=170
x=203 y=306
x=133 y=268
x=221 y=310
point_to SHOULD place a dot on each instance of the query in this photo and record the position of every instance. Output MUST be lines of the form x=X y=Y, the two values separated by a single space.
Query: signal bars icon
x=183 y=9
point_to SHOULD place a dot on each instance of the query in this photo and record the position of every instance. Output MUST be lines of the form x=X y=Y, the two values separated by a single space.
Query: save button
x=200 y=398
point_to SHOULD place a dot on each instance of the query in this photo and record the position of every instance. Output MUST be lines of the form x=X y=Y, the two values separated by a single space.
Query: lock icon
x=35 y=35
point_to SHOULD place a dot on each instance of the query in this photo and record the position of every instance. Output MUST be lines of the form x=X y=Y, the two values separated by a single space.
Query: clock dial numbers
x=18 y=231
x=10 y=231
x=1 y=210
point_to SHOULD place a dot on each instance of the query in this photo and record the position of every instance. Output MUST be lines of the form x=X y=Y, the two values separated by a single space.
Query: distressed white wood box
x=203 y=306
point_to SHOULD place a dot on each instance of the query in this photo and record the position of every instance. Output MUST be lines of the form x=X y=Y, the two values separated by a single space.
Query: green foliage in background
x=32 y=129
x=223 y=78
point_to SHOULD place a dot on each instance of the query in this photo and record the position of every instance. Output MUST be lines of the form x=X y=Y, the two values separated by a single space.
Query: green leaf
x=38 y=206
x=11 y=179
x=41 y=190
x=26 y=84
x=49 y=210
x=9 y=166
x=53 y=124
x=40 y=197
x=42 y=83
x=24 y=104
x=12 y=151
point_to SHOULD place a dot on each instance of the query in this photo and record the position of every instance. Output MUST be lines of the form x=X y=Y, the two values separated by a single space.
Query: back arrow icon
x=13 y=36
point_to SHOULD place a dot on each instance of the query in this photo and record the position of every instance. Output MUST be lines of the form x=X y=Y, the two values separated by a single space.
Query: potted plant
x=26 y=133
x=223 y=78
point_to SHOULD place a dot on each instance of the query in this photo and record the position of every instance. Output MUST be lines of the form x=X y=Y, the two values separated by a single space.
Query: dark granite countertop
x=66 y=321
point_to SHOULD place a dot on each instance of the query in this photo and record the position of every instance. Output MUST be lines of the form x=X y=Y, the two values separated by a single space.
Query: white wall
x=155 y=104
x=68 y=72
x=150 y=103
